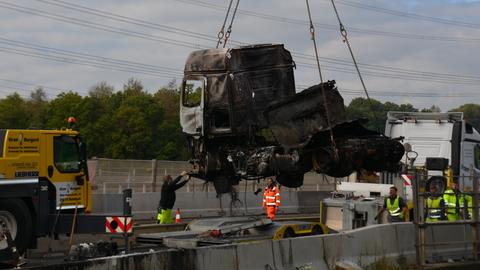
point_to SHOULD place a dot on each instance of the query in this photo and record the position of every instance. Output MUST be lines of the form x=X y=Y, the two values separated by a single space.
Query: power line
x=101 y=59
x=405 y=74
x=82 y=62
x=331 y=26
x=440 y=77
x=30 y=84
x=71 y=57
x=409 y=15
x=393 y=76
x=396 y=93
x=7 y=90
x=385 y=68
x=126 y=19
x=180 y=31
x=48 y=89
x=103 y=27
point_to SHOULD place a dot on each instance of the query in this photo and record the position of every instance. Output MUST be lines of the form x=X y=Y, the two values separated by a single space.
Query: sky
x=419 y=52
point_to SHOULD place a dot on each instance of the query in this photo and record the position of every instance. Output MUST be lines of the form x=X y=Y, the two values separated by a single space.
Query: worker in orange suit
x=271 y=199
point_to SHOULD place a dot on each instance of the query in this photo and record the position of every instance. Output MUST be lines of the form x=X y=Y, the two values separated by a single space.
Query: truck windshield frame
x=67 y=158
x=192 y=91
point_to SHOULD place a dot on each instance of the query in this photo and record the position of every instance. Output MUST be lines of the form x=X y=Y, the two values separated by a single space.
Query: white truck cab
x=440 y=135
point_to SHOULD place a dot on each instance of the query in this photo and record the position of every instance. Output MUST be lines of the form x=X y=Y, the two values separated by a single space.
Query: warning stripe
x=406 y=180
x=120 y=224
x=108 y=226
x=129 y=228
x=124 y=224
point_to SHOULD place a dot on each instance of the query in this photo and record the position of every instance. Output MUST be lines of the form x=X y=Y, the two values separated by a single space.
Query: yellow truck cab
x=43 y=184
x=54 y=155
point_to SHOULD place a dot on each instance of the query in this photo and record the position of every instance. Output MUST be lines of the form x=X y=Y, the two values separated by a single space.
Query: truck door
x=65 y=172
x=192 y=105
x=469 y=161
x=476 y=161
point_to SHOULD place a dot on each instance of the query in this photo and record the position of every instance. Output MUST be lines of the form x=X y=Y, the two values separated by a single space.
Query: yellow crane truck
x=44 y=187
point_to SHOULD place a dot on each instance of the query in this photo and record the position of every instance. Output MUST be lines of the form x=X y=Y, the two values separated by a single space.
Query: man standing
x=395 y=205
x=453 y=201
x=271 y=199
x=168 y=197
x=435 y=206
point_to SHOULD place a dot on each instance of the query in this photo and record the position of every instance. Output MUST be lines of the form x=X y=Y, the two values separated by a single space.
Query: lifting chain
x=229 y=30
x=343 y=33
x=325 y=103
x=221 y=33
x=226 y=35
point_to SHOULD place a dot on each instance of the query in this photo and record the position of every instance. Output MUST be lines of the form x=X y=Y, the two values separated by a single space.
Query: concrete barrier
x=450 y=234
x=223 y=257
x=393 y=243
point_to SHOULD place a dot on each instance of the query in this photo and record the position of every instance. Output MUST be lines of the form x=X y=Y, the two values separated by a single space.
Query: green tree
x=170 y=143
x=97 y=111
x=66 y=104
x=433 y=108
x=471 y=113
x=15 y=112
x=133 y=87
x=136 y=120
x=374 y=111
x=101 y=90
x=37 y=107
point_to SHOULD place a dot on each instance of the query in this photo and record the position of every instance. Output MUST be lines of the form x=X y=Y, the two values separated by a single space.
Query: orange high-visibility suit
x=271 y=201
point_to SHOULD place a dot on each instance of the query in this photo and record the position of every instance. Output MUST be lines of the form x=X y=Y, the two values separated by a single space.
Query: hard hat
x=72 y=120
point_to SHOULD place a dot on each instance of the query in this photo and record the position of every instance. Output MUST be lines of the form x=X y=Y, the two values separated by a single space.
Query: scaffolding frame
x=421 y=225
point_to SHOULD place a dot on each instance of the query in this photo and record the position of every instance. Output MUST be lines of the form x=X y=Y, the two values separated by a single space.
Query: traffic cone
x=177 y=216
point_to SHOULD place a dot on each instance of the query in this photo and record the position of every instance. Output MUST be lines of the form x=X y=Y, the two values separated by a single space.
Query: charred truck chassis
x=243 y=120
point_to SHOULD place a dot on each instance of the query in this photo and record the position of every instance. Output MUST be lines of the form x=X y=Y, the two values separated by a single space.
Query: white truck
x=439 y=135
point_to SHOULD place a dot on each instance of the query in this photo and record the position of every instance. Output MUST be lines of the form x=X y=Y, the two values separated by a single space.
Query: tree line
x=132 y=123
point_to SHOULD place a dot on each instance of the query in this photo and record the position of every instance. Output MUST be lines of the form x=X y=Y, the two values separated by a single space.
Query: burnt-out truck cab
x=244 y=120
x=225 y=91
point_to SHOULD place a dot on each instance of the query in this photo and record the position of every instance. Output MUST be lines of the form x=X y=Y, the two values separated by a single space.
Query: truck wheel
x=15 y=214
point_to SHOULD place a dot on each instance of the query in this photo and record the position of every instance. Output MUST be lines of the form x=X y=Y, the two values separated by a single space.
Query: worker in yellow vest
x=454 y=202
x=395 y=205
x=435 y=206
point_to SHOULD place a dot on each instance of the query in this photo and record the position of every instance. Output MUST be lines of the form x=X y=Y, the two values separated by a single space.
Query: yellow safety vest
x=394 y=209
x=451 y=201
x=434 y=213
